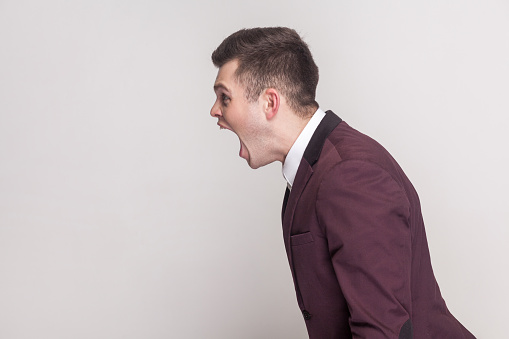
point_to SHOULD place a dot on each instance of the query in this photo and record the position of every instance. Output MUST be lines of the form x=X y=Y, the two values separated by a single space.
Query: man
x=352 y=223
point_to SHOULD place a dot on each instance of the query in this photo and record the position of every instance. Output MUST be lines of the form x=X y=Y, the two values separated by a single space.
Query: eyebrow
x=218 y=86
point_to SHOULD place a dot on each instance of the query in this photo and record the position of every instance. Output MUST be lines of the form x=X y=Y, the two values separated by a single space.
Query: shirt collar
x=294 y=156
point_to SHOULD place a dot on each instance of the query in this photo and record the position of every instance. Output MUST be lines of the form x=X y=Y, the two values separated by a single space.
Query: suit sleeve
x=364 y=213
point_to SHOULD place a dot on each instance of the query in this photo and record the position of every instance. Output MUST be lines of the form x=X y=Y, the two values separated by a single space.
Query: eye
x=225 y=99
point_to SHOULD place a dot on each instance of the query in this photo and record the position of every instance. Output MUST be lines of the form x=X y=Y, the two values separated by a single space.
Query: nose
x=215 y=111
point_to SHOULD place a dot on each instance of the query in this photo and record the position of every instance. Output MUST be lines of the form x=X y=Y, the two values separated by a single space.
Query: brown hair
x=274 y=57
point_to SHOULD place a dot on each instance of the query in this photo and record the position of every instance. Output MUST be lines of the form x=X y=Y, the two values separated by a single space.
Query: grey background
x=125 y=213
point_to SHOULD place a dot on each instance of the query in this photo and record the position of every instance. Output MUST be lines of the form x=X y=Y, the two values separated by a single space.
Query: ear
x=271 y=102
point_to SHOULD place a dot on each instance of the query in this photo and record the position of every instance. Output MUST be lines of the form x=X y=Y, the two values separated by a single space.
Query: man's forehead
x=226 y=75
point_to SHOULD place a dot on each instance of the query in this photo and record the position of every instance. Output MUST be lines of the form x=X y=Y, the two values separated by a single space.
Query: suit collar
x=314 y=148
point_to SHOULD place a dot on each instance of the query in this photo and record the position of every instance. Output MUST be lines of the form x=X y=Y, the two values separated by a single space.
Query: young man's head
x=265 y=89
x=273 y=57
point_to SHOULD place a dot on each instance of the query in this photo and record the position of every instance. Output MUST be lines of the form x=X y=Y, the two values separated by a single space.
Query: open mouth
x=243 y=153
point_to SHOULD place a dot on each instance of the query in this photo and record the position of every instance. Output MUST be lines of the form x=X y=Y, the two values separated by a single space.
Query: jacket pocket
x=301 y=239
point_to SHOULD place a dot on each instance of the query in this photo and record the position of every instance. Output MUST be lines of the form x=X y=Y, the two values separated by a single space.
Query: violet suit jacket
x=356 y=244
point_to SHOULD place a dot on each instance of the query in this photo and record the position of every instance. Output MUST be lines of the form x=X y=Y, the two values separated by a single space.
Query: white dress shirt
x=294 y=156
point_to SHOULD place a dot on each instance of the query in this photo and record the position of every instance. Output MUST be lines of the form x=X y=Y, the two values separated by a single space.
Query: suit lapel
x=304 y=173
x=285 y=202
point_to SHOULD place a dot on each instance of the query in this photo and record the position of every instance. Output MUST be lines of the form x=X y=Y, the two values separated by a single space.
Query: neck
x=287 y=130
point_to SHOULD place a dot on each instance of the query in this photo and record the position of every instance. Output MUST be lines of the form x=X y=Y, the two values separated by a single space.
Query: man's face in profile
x=237 y=114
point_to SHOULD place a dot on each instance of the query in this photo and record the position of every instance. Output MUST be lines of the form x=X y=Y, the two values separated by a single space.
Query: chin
x=252 y=164
x=255 y=165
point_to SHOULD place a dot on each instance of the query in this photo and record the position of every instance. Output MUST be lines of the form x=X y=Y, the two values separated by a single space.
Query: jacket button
x=306 y=315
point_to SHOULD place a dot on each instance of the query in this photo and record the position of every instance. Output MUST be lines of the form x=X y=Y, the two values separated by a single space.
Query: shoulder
x=352 y=164
x=346 y=143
